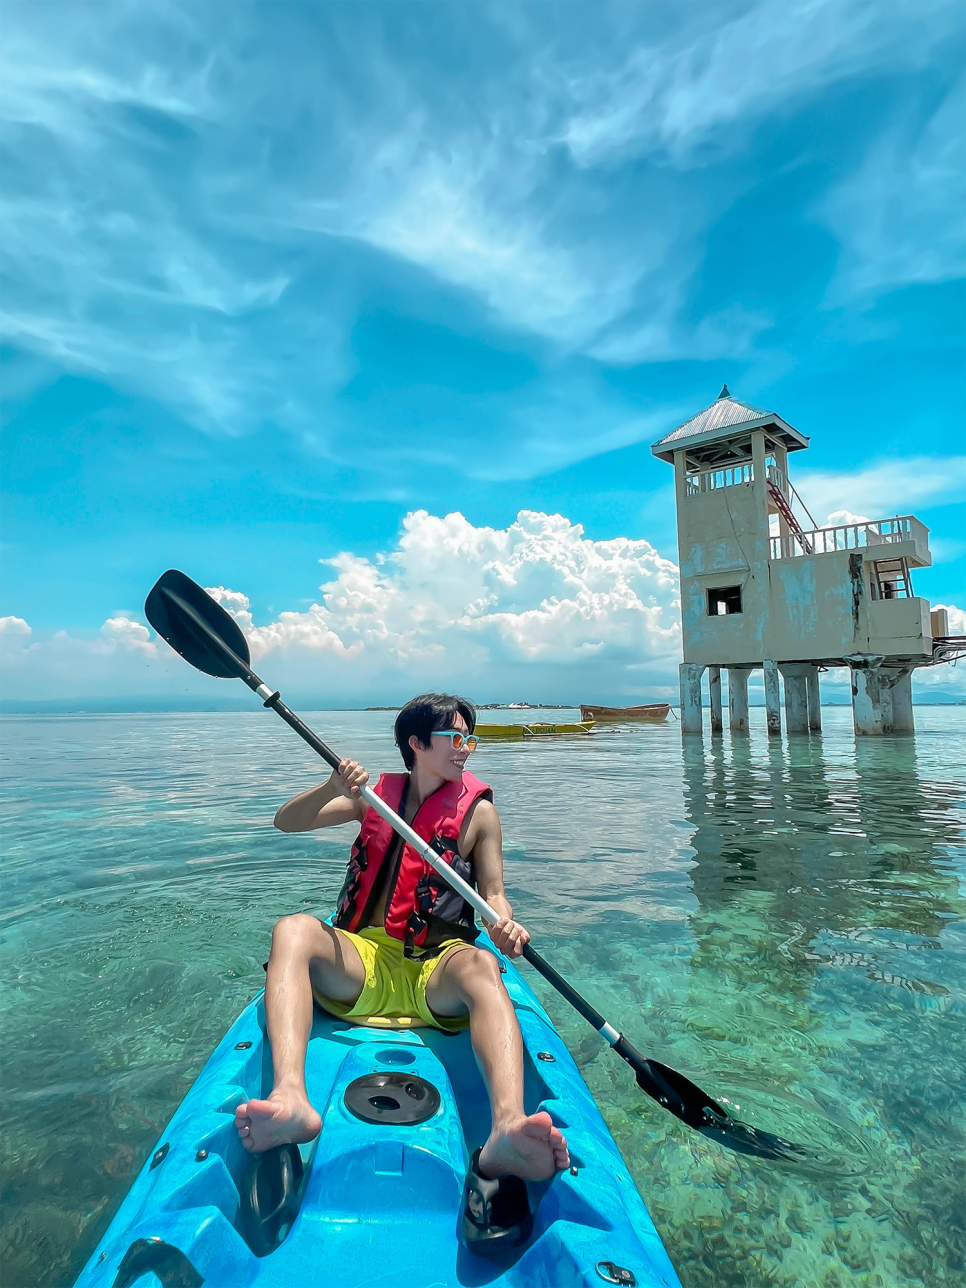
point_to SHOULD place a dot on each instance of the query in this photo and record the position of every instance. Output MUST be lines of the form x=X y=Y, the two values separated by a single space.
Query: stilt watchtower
x=762 y=585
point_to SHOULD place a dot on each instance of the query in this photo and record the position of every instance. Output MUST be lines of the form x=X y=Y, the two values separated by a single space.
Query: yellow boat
x=518 y=732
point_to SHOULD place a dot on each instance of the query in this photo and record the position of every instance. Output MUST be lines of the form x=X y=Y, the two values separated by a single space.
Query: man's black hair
x=430 y=711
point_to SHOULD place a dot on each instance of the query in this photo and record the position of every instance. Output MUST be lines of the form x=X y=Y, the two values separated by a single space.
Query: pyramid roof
x=720 y=421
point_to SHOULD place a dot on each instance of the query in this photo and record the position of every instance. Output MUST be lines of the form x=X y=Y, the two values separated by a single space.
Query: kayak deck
x=381 y=1203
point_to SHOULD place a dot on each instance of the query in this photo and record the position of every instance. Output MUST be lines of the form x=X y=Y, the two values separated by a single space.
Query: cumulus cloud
x=124 y=633
x=536 y=608
x=840 y=517
x=459 y=599
x=13 y=626
x=534 y=611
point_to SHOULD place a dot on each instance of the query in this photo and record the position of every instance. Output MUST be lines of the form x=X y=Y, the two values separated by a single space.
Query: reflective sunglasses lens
x=459 y=740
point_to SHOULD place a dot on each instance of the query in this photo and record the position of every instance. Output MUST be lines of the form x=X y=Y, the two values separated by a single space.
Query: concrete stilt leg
x=714 y=689
x=690 y=674
x=885 y=700
x=903 y=720
x=738 y=699
x=796 y=699
x=867 y=713
x=773 y=711
x=814 y=700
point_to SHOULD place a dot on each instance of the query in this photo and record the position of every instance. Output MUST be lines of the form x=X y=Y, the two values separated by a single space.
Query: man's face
x=441 y=758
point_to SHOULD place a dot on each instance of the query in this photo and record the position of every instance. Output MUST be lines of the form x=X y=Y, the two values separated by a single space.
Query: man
x=401 y=952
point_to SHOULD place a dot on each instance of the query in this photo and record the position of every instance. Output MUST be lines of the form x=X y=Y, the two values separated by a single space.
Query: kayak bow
x=379 y=1195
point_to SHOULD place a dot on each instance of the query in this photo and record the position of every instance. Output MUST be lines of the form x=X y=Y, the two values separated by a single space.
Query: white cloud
x=840 y=517
x=465 y=598
x=13 y=626
x=123 y=633
x=535 y=608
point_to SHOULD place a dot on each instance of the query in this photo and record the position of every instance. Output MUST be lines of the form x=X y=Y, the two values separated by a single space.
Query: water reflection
x=821 y=991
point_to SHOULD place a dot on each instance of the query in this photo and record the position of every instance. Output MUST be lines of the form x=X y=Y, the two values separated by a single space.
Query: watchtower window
x=726 y=599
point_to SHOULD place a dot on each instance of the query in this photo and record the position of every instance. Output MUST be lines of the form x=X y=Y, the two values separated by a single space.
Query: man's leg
x=468 y=979
x=304 y=952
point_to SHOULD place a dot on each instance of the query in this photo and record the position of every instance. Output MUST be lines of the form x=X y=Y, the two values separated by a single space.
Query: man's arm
x=485 y=841
x=335 y=801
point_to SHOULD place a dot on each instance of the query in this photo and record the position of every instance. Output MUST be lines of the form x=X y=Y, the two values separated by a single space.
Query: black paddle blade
x=196 y=627
x=750 y=1140
x=683 y=1098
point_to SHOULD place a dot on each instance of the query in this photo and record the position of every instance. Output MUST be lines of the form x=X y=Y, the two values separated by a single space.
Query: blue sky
x=277 y=276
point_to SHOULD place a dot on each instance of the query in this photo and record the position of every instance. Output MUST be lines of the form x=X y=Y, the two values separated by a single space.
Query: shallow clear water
x=782 y=923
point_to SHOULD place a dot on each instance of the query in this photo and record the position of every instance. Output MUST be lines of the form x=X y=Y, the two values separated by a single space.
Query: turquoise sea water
x=783 y=923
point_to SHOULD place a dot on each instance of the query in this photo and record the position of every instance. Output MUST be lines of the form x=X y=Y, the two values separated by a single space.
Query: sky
x=366 y=315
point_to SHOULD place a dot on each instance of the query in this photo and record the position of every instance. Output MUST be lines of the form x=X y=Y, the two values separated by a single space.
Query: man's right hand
x=349 y=779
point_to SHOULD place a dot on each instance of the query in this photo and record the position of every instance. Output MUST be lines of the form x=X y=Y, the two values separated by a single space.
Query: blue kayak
x=380 y=1197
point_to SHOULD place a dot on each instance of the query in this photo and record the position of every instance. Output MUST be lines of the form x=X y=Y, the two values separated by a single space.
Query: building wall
x=809 y=607
x=723 y=541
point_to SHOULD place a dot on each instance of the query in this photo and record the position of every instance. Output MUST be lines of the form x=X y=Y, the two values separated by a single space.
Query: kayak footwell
x=383 y=1202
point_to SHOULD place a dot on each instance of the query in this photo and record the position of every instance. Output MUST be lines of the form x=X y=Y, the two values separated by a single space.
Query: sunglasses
x=459 y=740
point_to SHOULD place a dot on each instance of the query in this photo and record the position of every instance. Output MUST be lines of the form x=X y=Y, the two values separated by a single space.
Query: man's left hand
x=509 y=936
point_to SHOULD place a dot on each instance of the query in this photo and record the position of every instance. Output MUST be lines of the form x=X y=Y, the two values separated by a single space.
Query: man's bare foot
x=531 y=1148
x=282 y=1118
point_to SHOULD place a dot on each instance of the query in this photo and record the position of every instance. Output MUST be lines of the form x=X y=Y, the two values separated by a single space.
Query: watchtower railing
x=855 y=536
x=710 y=480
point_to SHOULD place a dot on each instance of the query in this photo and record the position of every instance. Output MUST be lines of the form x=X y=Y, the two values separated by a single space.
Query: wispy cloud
x=884 y=489
x=899 y=218
x=708 y=83
x=184 y=180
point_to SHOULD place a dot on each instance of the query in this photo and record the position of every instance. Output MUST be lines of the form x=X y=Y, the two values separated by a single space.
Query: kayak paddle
x=206 y=636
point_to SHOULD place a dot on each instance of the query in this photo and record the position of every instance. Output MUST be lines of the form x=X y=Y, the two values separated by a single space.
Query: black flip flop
x=496 y=1214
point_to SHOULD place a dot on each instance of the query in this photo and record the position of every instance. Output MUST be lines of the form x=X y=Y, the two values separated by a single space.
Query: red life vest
x=421 y=909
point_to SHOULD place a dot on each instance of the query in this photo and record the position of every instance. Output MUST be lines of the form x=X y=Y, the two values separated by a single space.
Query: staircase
x=785 y=510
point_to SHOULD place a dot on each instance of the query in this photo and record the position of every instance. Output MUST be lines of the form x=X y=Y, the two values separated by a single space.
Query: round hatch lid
x=392 y=1098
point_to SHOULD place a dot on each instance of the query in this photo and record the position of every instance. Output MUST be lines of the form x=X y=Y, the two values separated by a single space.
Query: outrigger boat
x=535 y=730
x=651 y=713
x=389 y=1191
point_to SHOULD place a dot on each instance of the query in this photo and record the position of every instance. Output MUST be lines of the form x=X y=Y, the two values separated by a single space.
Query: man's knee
x=478 y=971
x=295 y=929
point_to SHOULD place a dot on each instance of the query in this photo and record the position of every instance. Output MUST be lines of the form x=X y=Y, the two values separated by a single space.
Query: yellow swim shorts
x=394 y=994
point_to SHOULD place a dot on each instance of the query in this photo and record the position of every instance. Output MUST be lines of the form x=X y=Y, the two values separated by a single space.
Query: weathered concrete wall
x=798 y=609
x=899 y=626
x=723 y=541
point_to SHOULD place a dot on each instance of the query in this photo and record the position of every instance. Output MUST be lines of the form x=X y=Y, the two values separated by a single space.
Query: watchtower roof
x=726 y=419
